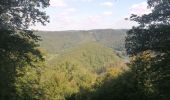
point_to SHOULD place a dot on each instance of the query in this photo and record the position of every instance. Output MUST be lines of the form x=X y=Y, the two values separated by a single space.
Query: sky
x=92 y=14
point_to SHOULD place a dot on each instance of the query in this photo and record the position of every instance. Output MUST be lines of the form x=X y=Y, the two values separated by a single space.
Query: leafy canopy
x=17 y=44
x=152 y=35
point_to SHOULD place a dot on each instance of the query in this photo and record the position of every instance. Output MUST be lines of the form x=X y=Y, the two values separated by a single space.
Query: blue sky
x=92 y=14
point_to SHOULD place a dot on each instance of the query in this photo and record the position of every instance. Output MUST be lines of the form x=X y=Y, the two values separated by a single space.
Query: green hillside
x=74 y=62
x=55 y=42
x=92 y=55
x=76 y=68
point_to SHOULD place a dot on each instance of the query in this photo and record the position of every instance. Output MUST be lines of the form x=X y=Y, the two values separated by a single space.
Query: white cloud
x=87 y=0
x=140 y=9
x=84 y=0
x=124 y=24
x=70 y=10
x=107 y=3
x=66 y=12
x=108 y=13
x=58 y=3
x=91 y=22
x=68 y=21
x=64 y=20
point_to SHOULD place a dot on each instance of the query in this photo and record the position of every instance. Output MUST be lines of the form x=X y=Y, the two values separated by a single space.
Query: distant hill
x=55 y=42
x=92 y=56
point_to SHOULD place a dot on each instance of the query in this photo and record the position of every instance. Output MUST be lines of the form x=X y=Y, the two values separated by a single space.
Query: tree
x=18 y=46
x=153 y=35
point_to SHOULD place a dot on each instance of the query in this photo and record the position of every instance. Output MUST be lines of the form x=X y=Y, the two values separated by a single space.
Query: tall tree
x=153 y=36
x=17 y=44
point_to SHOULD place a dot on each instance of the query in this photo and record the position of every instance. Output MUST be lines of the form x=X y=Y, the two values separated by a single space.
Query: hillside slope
x=92 y=56
x=55 y=42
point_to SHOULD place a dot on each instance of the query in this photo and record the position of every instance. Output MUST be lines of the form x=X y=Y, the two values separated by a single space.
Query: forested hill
x=57 y=41
x=93 y=56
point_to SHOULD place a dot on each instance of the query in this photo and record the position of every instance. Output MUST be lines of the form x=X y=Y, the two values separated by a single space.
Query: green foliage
x=93 y=56
x=152 y=35
x=114 y=88
x=145 y=75
x=115 y=84
x=27 y=83
x=71 y=74
x=56 y=85
x=18 y=46
x=20 y=14
x=61 y=82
